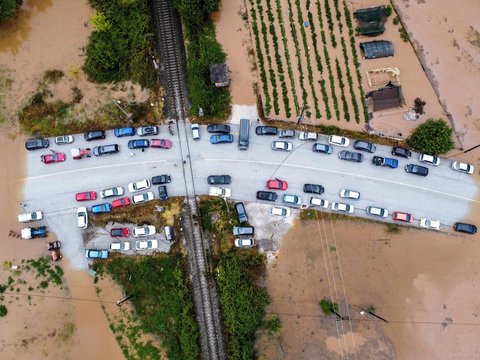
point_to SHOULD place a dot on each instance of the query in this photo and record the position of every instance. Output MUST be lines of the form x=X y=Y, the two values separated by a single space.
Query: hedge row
x=342 y=90
x=330 y=23
x=350 y=82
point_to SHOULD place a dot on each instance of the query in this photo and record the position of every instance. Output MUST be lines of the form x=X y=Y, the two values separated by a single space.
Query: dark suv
x=364 y=146
x=267 y=195
x=35 y=144
x=416 y=170
x=313 y=189
x=94 y=135
x=161 y=179
x=219 y=179
x=465 y=228
x=218 y=128
x=106 y=150
x=402 y=152
x=266 y=130
x=241 y=212
x=350 y=156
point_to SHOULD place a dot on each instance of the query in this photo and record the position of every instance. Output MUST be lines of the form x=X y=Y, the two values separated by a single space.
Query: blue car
x=220 y=139
x=138 y=144
x=101 y=208
x=127 y=131
x=96 y=254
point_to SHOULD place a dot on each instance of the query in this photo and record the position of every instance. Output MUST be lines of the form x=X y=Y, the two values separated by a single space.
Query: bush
x=418 y=105
x=8 y=9
x=432 y=137
x=388 y=10
x=328 y=307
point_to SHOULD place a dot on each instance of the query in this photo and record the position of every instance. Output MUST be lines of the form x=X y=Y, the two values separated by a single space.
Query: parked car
x=34 y=232
x=376 y=211
x=313 y=189
x=430 y=224
x=218 y=129
x=147 y=130
x=120 y=246
x=282 y=145
x=217 y=191
x=364 y=146
x=125 y=201
x=266 y=130
x=242 y=215
x=349 y=194
x=126 y=131
x=63 y=140
x=36 y=144
x=195 y=132
x=120 y=232
x=350 y=156
x=161 y=179
x=267 y=195
x=32 y=216
x=141 y=198
x=138 y=144
x=292 y=199
x=53 y=158
x=219 y=179
x=465 y=228
x=162 y=192
x=221 y=139
x=429 y=159
x=244 y=242
x=82 y=217
x=161 y=143
x=402 y=216
x=146 y=244
x=145 y=230
x=463 y=167
x=243 y=230
x=277 y=184
x=383 y=161
x=309 y=136
x=338 y=140
x=346 y=208
x=319 y=202
x=322 y=148
x=94 y=135
x=286 y=133
x=402 y=152
x=139 y=185
x=86 y=196
x=280 y=211
x=168 y=230
x=106 y=150
x=101 y=208
x=96 y=254
x=416 y=169
x=111 y=192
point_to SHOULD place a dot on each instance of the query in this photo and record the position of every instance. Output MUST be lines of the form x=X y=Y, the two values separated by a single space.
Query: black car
x=162 y=192
x=313 y=189
x=350 y=156
x=94 y=135
x=267 y=195
x=138 y=144
x=465 y=228
x=416 y=170
x=218 y=128
x=364 y=146
x=219 y=179
x=106 y=150
x=35 y=144
x=401 y=151
x=266 y=130
x=161 y=179
x=241 y=212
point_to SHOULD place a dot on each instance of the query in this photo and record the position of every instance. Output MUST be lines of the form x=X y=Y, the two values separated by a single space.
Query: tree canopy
x=8 y=9
x=432 y=137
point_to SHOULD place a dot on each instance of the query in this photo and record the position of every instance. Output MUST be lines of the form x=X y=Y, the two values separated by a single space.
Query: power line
x=59 y=297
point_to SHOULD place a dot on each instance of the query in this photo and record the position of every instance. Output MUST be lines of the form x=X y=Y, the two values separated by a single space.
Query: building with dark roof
x=219 y=75
x=371 y=21
x=377 y=49
x=387 y=97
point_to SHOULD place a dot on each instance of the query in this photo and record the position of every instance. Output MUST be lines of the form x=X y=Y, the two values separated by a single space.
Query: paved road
x=444 y=194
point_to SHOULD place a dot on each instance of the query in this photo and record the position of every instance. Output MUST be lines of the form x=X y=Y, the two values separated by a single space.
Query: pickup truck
x=223 y=192
x=388 y=162
x=31 y=233
x=33 y=216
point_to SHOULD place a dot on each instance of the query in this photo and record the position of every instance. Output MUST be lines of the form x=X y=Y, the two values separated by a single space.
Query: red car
x=121 y=202
x=161 y=143
x=53 y=158
x=119 y=232
x=277 y=184
x=401 y=216
x=86 y=196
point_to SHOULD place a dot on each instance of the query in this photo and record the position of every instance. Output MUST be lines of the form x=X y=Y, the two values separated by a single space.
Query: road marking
x=94 y=168
x=345 y=173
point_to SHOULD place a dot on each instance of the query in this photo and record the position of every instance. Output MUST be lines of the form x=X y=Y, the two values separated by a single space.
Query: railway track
x=170 y=47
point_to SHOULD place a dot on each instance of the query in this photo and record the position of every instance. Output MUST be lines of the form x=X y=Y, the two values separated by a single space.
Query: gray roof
x=219 y=74
x=377 y=49
x=386 y=98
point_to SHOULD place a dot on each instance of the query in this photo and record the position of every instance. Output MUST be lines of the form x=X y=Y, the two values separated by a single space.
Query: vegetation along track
x=171 y=50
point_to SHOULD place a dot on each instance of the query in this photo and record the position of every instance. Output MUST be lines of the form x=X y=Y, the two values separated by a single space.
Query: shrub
x=396 y=20
x=8 y=9
x=418 y=105
x=404 y=34
x=432 y=137
x=328 y=307
x=388 y=10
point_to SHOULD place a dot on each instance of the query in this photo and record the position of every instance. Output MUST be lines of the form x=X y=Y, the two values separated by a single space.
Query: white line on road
x=344 y=173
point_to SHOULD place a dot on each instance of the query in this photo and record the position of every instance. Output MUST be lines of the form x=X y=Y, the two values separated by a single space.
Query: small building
x=377 y=49
x=219 y=75
x=387 y=97
x=371 y=21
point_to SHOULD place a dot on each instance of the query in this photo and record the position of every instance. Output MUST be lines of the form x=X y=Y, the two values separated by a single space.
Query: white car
x=376 y=211
x=244 y=242
x=141 y=198
x=429 y=159
x=302 y=135
x=120 y=246
x=145 y=230
x=463 y=167
x=338 y=140
x=62 y=140
x=282 y=145
x=115 y=191
x=82 y=217
x=319 y=202
x=349 y=194
x=139 y=185
x=280 y=211
x=292 y=199
x=430 y=224
x=33 y=216
x=216 y=191
x=196 y=132
x=146 y=244
x=343 y=207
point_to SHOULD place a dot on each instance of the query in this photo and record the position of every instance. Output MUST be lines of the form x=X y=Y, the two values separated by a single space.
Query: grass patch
x=53 y=76
x=66 y=333
x=392 y=228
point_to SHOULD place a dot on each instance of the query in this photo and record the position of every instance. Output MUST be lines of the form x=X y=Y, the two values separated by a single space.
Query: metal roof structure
x=371 y=21
x=219 y=75
x=387 y=97
x=377 y=49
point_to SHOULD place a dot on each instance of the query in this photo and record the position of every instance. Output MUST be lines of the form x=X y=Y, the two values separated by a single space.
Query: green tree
x=432 y=137
x=8 y=9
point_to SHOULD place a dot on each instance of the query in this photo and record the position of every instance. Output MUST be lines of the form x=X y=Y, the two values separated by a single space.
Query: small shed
x=371 y=21
x=387 y=97
x=219 y=75
x=377 y=49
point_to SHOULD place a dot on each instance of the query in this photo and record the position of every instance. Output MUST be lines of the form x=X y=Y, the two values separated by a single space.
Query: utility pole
x=117 y=103
x=301 y=116
x=363 y=312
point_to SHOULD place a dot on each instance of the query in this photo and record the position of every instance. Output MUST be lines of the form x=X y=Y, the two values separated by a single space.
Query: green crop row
x=330 y=23
x=332 y=82
x=350 y=82
x=338 y=15
x=342 y=90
